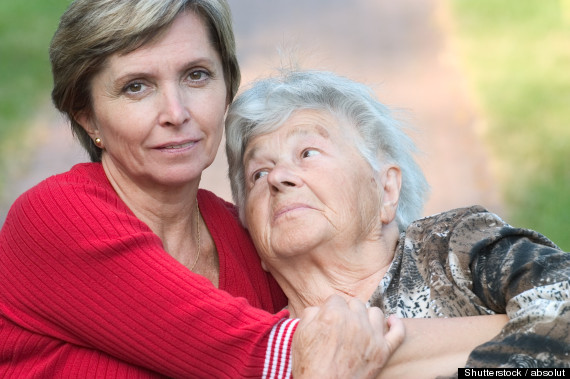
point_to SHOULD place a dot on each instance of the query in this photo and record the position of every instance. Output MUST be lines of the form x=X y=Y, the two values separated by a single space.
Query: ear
x=264 y=266
x=84 y=118
x=391 y=182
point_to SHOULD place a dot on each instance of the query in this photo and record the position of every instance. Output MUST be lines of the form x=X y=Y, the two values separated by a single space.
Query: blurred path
x=400 y=48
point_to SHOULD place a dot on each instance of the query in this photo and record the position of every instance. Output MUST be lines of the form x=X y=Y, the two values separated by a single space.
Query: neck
x=309 y=279
x=167 y=210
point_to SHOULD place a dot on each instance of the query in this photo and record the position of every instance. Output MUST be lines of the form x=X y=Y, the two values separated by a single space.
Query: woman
x=122 y=267
x=326 y=184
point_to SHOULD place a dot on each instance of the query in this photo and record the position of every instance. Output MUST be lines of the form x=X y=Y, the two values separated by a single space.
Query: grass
x=517 y=55
x=26 y=28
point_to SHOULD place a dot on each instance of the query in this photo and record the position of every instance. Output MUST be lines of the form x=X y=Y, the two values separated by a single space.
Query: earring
x=98 y=141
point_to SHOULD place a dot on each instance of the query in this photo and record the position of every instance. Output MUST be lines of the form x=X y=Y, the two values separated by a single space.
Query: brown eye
x=309 y=153
x=259 y=174
x=198 y=75
x=134 y=88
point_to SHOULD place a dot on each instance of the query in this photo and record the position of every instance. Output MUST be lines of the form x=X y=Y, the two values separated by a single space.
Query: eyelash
x=202 y=72
x=304 y=152
x=204 y=75
x=127 y=89
x=255 y=176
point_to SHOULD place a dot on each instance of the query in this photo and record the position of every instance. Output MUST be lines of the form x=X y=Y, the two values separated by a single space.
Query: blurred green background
x=26 y=28
x=515 y=55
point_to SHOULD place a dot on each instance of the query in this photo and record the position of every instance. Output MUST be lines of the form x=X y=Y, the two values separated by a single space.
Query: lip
x=176 y=146
x=281 y=211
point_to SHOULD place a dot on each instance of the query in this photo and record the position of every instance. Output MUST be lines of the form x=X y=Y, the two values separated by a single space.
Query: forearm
x=536 y=334
x=438 y=346
x=107 y=285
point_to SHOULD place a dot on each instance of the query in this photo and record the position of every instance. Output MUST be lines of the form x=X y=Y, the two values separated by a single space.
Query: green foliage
x=26 y=27
x=517 y=54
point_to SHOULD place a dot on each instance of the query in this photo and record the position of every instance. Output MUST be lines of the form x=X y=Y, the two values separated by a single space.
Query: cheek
x=257 y=227
x=370 y=202
x=252 y=217
x=123 y=124
x=362 y=197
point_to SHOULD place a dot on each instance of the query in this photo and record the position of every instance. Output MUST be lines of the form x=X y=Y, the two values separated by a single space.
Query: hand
x=340 y=340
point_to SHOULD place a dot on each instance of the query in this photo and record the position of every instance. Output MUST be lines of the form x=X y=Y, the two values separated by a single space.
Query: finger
x=356 y=305
x=334 y=310
x=335 y=302
x=309 y=314
x=377 y=320
x=396 y=333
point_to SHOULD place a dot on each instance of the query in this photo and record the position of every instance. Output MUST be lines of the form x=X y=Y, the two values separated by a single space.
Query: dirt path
x=400 y=48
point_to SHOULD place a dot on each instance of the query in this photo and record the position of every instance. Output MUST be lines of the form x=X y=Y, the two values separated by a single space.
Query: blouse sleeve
x=76 y=265
x=523 y=274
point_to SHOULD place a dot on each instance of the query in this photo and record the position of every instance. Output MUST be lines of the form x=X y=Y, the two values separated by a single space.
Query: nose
x=283 y=177
x=174 y=109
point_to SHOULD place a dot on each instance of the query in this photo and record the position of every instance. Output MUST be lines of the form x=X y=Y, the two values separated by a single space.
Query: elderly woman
x=326 y=183
x=122 y=267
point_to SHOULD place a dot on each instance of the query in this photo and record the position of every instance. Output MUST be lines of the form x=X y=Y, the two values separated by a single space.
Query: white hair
x=268 y=103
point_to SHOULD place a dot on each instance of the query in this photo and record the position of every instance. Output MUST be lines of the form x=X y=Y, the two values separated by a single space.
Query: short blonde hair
x=92 y=30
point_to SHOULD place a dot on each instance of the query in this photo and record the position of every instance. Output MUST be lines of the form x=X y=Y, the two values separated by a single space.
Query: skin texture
x=432 y=347
x=158 y=112
x=349 y=358
x=293 y=207
x=323 y=222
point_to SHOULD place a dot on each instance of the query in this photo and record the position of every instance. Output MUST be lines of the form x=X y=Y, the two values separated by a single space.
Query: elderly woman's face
x=307 y=185
x=159 y=110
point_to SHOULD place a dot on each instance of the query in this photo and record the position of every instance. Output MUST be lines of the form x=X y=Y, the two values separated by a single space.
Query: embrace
x=326 y=183
x=123 y=267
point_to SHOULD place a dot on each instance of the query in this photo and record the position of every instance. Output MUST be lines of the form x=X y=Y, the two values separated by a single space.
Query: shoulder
x=214 y=203
x=456 y=222
x=61 y=190
x=79 y=200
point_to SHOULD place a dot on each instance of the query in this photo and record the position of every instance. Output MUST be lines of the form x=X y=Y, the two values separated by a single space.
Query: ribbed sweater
x=87 y=290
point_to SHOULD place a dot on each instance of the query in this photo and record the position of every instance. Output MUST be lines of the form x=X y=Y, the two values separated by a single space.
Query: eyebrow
x=305 y=129
x=302 y=130
x=128 y=76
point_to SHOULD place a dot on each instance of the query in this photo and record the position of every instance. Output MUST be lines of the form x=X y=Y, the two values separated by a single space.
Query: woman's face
x=307 y=185
x=159 y=110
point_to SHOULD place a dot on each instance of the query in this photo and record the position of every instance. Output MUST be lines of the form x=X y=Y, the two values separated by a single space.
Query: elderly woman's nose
x=282 y=176
x=173 y=107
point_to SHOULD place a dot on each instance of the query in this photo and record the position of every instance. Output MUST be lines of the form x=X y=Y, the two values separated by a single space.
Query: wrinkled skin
x=344 y=340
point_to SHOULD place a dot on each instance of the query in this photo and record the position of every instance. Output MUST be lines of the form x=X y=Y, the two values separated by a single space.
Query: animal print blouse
x=469 y=262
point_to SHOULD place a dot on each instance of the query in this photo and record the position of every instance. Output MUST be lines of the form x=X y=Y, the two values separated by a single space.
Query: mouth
x=288 y=209
x=180 y=146
x=177 y=146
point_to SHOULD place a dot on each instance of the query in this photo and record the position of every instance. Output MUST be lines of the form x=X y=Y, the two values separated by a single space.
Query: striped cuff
x=278 y=354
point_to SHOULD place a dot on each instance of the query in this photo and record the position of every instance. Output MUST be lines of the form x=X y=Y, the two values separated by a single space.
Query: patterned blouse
x=468 y=262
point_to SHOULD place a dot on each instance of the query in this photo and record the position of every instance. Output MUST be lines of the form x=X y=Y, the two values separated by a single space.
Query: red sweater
x=87 y=290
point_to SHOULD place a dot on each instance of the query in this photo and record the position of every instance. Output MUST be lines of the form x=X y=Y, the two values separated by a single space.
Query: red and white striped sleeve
x=278 y=355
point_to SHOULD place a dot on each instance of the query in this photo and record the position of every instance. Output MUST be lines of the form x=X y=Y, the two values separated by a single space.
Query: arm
x=356 y=347
x=521 y=273
x=438 y=346
x=85 y=282
x=78 y=268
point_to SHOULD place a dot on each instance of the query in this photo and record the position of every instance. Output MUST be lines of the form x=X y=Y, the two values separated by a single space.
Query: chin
x=177 y=177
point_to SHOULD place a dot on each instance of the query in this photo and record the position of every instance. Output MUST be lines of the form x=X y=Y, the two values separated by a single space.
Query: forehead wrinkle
x=305 y=129
x=250 y=153
x=300 y=130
